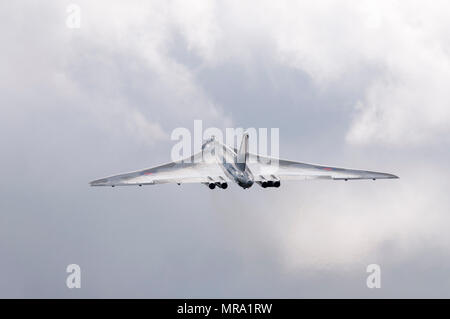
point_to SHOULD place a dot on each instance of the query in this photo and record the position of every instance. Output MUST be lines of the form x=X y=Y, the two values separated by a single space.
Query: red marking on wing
x=327 y=168
x=148 y=173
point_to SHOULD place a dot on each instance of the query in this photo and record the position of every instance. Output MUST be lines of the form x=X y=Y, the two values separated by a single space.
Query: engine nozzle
x=266 y=184
x=222 y=185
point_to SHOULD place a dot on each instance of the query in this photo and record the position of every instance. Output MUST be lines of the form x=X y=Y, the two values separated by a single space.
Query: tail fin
x=242 y=155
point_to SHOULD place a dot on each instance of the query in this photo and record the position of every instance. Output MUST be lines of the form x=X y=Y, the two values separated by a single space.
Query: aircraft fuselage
x=235 y=171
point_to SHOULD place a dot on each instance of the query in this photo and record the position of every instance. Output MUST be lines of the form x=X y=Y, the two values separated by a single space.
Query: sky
x=348 y=83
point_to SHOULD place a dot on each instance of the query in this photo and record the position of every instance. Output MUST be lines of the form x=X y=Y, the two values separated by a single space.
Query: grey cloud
x=77 y=106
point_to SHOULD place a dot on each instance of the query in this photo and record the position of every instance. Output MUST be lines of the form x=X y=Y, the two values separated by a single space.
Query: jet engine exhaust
x=266 y=184
x=218 y=184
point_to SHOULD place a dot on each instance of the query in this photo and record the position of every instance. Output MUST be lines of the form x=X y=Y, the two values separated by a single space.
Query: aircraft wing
x=267 y=168
x=196 y=169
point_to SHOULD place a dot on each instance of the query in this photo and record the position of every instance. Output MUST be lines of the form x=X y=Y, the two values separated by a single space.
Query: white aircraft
x=217 y=164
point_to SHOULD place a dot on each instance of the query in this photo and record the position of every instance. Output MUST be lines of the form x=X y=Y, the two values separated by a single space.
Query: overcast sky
x=360 y=84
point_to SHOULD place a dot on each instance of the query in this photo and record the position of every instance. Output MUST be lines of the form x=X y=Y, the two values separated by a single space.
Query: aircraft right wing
x=268 y=168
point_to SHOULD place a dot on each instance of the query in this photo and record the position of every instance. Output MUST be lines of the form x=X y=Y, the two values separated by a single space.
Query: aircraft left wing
x=195 y=170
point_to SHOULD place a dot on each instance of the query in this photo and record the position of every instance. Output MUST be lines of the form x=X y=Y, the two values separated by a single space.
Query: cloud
x=145 y=33
x=403 y=45
x=349 y=83
x=335 y=226
x=117 y=67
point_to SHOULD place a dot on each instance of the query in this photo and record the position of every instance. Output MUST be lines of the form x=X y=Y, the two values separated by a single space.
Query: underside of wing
x=267 y=168
x=196 y=169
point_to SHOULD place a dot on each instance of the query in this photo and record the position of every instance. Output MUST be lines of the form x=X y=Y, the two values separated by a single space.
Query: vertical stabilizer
x=242 y=155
